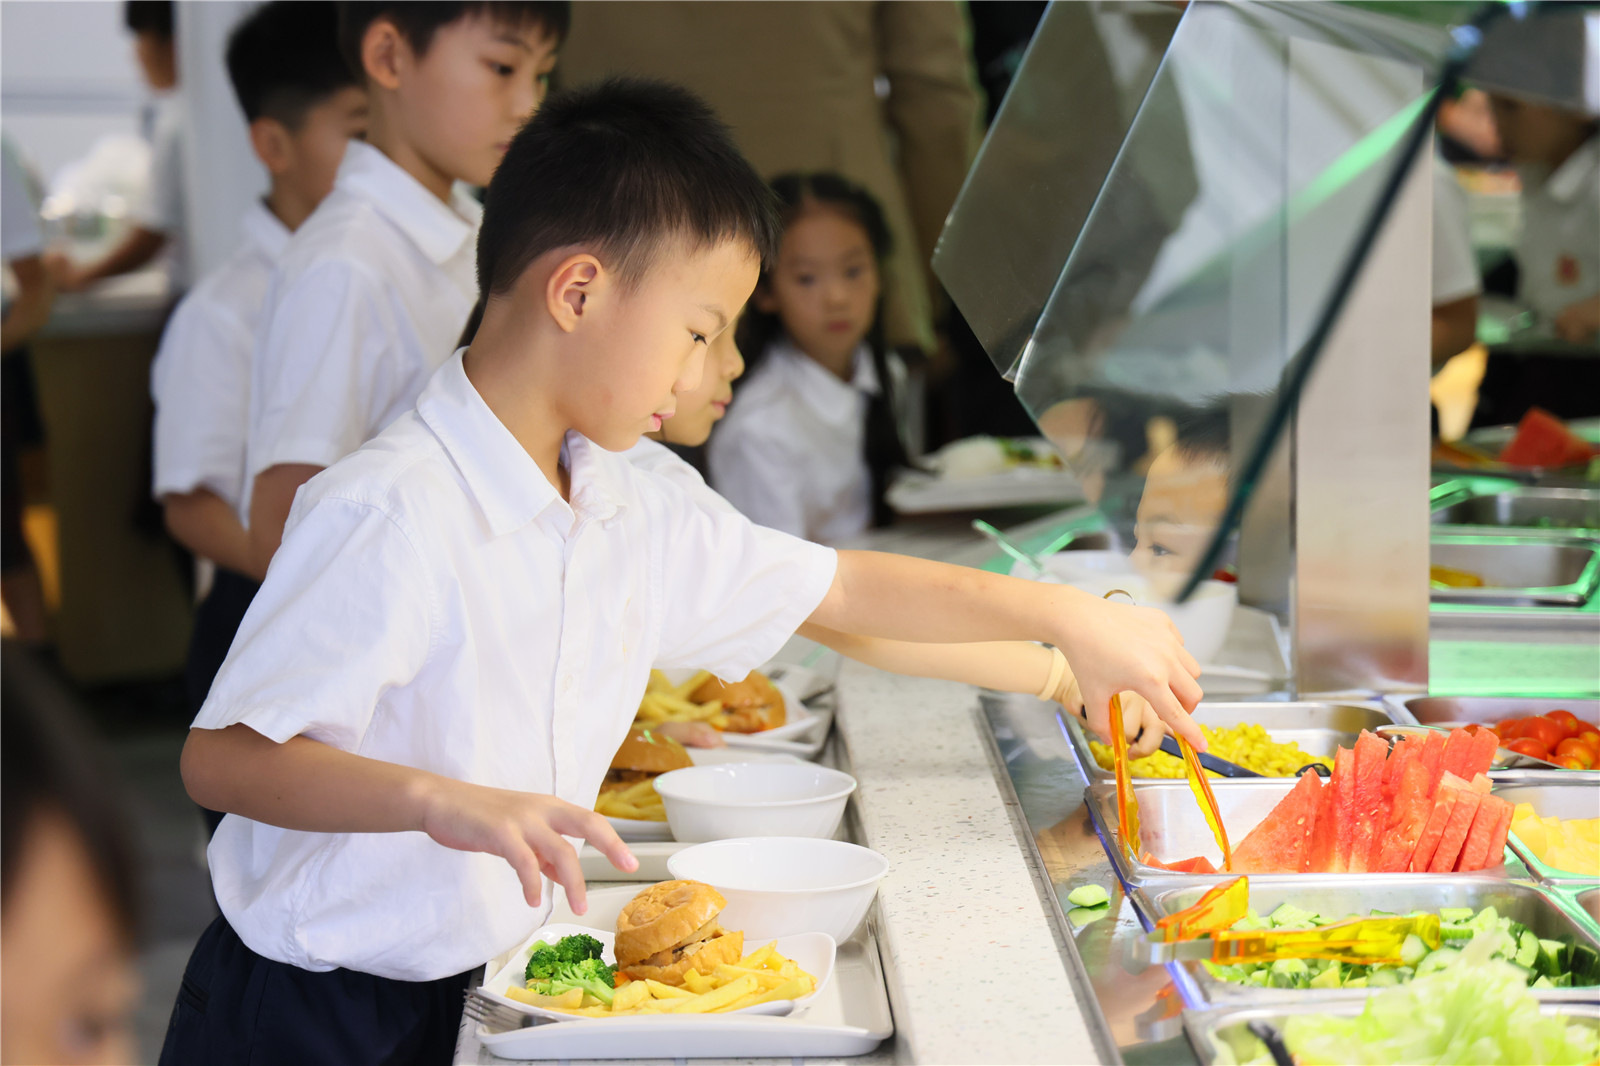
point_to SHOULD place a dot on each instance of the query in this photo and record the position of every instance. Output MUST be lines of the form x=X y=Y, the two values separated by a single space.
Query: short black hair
x=624 y=166
x=148 y=16
x=283 y=59
x=418 y=19
x=1204 y=434
x=51 y=765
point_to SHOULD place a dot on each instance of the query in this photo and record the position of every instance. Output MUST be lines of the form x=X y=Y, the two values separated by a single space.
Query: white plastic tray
x=848 y=1017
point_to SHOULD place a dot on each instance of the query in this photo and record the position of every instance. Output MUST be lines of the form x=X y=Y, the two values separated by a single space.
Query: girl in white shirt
x=809 y=445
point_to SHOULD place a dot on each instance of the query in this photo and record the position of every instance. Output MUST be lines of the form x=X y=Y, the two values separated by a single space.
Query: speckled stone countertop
x=959 y=911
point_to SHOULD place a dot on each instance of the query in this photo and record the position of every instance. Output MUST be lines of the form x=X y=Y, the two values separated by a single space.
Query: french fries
x=638 y=801
x=665 y=702
x=763 y=976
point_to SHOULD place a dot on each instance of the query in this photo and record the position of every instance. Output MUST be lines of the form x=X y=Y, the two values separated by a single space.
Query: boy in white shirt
x=303 y=104
x=374 y=289
x=414 y=722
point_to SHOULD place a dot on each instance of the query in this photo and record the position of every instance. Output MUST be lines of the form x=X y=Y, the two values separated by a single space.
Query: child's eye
x=502 y=69
x=805 y=279
x=699 y=338
x=1159 y=550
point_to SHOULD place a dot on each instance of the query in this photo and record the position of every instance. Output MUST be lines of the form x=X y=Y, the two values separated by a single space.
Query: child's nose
x=693 y=370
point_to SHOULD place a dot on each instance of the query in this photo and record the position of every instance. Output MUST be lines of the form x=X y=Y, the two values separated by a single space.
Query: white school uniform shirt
x=369 y=298
x=662 y=461
x=1558 y=254
x=1455 y=267
x=790 y=454
x=19 y=215
x=437 y=604
x=160 y=208
x=200 y=379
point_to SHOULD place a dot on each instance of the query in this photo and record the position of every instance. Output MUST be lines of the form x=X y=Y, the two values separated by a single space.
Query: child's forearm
x=203 y=522
x=1005 y=666
x=303 y=784
x=271 y=497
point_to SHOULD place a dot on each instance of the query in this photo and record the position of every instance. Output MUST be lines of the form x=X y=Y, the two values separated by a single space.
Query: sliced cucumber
x=1437 y=960
x=1356 y=982
x=1527 y=950
x=1542 y=982
x=1413 y=950
x=1551 y=953
x=1455 y=915
x=1383 y=979
x=1328 y=978
x=1451 y=931
x=1288 y=916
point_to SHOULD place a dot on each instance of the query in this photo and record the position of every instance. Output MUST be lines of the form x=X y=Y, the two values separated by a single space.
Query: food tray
x=1525 y=569
x=1575 y=800
x=848 y=1017
x=652 y=856
x=1319 y=728
x=1506 y=505
x=1174 y=828
x=1221 y=1035
x=1487 y=710
x=1332 y=895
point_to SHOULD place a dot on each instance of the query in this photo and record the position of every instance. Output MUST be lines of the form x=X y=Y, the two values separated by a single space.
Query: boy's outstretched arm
x=306 y=785
x=1112 y=647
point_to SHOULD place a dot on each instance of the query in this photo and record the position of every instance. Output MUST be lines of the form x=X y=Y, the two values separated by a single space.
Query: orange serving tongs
x=1367 y=941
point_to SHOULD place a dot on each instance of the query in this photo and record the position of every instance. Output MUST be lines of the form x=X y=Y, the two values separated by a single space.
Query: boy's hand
x=526 y=830
x=692 y=734
x=1140 y=723
x=1116 y=647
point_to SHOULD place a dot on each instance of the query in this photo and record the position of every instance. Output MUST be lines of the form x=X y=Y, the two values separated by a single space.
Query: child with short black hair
x=811 y=443
x=303 y=106
x=373 y=291
x=415 y=720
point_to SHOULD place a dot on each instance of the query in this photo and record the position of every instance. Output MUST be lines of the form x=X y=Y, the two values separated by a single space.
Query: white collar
x=439 y=229
x=863 y=374
x=1576 y=175
x=263 y=229
x=507 y=484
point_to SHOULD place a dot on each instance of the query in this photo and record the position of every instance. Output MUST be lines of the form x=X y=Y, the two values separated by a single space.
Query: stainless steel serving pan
x=1575 y=800
x=1319 y=728
x=1335 y=896
x=1487 y=710
x=1518 y=570
x=1174 y=828
x=1223 y=1035
x=1503 y=505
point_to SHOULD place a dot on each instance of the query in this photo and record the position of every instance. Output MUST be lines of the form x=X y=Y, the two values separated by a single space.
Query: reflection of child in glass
x=1185 y=493
x=1557 y=155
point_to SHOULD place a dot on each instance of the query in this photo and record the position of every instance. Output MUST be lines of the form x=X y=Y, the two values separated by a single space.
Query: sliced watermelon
x=1455 y=831
x=1544 y=440
x=1370 y=815
x=1399 y=755
x=1475 y=852
x=1458 y=754
x=1322 y=847
x=1497 y=839
x=1481 y=783
x=1405 y=752
x=1444 y=802
x=1199 y=864
x=1277 y=845
x=1407 y=817
x=1484 y=746
x=1344 y=822
x=1433 y=758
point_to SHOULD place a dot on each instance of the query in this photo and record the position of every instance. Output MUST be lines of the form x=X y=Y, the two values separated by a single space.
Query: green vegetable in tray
x=1557 y=963
x=1478 y=1010
x=1088 y=896
x=571 y=962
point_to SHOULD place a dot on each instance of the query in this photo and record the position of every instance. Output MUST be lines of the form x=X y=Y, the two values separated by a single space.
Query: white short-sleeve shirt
x=437 y=604
x=1455 y=268
x=200 y=379
x=790 y=452
x=369 y=298
x=19 y=215
x=161 y=207
x=662 y=461
x=1558 y=254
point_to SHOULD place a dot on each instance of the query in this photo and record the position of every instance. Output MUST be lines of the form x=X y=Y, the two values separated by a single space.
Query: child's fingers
x=1145 y=728
x=574 y=821
x=1190 y=663
x=1181 y=724
x=558 y=859
x=1188 y=691
x=526 y=864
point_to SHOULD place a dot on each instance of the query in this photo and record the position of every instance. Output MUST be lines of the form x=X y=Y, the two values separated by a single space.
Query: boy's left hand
x=692 y=734
x=1140 y=723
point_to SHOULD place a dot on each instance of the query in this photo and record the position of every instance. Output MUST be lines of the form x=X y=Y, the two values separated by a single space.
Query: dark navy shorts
x=236 y=1008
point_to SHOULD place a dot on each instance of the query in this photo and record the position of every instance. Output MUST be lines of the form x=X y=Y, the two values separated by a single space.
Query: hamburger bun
x=671 y=928
x=649 y=752
x=751 y=705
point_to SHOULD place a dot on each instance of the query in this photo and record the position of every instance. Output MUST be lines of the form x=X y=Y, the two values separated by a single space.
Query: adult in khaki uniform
x=797 y=82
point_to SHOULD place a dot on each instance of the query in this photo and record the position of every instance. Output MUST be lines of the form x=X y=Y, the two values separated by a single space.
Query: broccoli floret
x=573 y=962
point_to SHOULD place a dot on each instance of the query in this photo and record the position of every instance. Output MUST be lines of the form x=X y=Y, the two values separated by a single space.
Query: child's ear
x=273 y=145
x=384 y=50
x=571 y=283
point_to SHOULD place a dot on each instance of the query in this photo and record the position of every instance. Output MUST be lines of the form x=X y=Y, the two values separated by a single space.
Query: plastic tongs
x=1205 y=931
x=1128 y=804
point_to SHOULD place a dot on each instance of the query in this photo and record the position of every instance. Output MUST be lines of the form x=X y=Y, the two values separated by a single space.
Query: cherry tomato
x=1474 y=728
x=1587 y=730
x=1566 y=720
x=1544 y=731
x=1510 y=729
x=1567 y=762
x=1529 y=746
x=1590 y=741
x=1576 y=749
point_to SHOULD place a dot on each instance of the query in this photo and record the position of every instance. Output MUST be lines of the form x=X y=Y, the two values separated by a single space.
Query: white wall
x=67 y=77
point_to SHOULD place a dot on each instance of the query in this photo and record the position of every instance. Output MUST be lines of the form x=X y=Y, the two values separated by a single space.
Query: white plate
x=639 y=830
x=849 y=1017
x=813 y=951
x=917 y=492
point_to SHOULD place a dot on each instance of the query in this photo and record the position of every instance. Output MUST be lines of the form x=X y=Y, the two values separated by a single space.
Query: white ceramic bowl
x=754 y=800
x=779 y=886
x=1203 y=619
